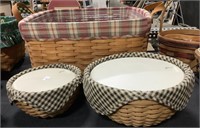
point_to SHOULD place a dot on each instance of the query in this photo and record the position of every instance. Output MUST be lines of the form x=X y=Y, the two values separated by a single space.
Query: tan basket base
x=142 y=113
x=11 y=56
x=80 y=53
x=28 y=109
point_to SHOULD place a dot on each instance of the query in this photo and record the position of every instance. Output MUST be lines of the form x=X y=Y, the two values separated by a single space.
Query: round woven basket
x=48 y=103
x=10 y=56
x=11 y=43
x=180 y=44
x=133 y=107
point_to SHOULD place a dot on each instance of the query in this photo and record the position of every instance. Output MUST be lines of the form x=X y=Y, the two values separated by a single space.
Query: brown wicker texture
x=80 y=53
x=28 y=109
x=11 y=56
x=142 y=113
x=180 y=44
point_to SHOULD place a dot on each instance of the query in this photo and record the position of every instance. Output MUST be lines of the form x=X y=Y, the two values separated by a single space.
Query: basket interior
x=137 y=73
x=43 y=80
x=182 y=35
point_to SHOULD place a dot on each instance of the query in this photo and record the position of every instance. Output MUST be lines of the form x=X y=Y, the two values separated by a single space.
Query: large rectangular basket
x=80 y=36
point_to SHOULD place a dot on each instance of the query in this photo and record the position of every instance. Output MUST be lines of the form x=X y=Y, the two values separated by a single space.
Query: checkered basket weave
x=80 y=36
x=11 y=43
x=138 y=108
x=48 y=103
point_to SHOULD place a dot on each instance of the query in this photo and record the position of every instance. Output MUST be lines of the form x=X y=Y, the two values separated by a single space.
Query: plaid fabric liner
x=106 y=100
x=85 y=24
x=48 y=101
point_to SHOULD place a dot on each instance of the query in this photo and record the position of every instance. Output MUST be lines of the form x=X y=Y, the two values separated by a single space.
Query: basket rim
x=161 y=36
x=91 y=66
x=7 y=23
x=29 y=18
x=76 y=70
x=93 y=29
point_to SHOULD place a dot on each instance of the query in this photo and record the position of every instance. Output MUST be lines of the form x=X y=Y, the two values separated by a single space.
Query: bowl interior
x=137 y=73
x=43 y=79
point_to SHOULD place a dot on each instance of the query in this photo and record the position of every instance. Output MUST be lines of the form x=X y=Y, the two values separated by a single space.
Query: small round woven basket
x=48 y=103
x=136 y=107
x=180 y=44
x=11 y=43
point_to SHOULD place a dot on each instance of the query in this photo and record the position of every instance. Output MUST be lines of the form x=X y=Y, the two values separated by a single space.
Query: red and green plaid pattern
x=85 y=24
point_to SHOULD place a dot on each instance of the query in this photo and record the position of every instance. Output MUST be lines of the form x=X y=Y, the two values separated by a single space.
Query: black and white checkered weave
x=106 y=100
x=47 y=101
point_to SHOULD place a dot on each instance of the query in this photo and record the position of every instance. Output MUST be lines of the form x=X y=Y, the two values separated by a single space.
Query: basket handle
x=154 y=7
x=163 y=13
x=16 y=12
x=158 y=7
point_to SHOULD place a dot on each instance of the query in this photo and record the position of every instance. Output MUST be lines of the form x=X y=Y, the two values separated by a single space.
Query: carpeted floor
x=81 y=114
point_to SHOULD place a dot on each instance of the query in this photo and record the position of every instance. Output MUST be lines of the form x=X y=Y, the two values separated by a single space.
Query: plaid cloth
x=106 y=100
x=47 y=101
x=85 y=24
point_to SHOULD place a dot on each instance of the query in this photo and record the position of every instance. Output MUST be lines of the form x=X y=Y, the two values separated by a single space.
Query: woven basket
x=10 y=56
x=183 y=47
x=35 y=112
x=11 y=43
x=142 y=113
x=83 y=37
x=33 y=103
x=180 y=44
x=132 y=107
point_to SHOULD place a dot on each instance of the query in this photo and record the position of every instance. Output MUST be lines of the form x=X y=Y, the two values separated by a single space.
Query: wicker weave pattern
x=11 y=56
x=142 y=113
x=81 y=53
x=181 y=49
x=35 y=112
